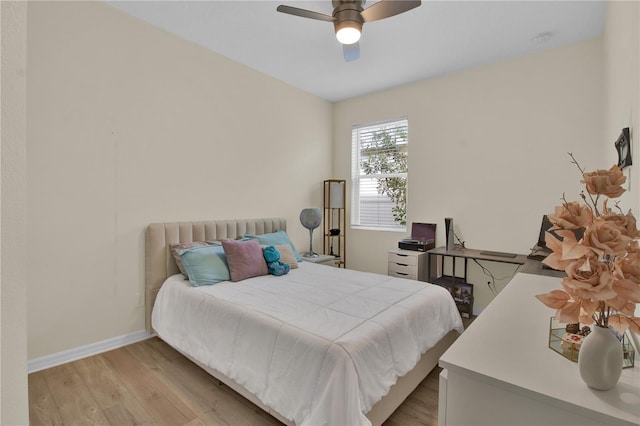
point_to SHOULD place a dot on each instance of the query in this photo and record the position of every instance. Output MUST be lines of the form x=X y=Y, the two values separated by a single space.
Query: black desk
x=525 y=264
x=458 y=286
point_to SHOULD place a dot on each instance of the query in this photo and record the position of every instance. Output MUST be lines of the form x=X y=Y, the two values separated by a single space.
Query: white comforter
x=320 y=345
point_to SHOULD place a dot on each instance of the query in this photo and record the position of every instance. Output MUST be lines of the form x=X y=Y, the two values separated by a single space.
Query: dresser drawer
x=407 y=264
x=403 y=271
x=403 y=259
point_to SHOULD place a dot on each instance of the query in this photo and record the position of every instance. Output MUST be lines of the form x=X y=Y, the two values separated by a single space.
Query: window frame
x=357 y=175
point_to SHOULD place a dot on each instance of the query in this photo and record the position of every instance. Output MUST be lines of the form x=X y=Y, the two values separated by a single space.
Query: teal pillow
x=276 y=238
x=205 y=265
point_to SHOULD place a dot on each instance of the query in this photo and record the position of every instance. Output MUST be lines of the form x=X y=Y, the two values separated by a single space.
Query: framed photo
x=623 y=147
x=463 y=293
x=463 y=296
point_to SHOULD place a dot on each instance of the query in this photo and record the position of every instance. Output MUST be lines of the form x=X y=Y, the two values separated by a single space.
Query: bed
x=329 y=373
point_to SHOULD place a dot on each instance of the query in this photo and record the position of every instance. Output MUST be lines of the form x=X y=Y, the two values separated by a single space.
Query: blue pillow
x=205 y=265
x=276 y=238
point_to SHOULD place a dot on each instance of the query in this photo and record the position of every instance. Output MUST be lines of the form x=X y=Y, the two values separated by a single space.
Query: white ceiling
x=436 y=38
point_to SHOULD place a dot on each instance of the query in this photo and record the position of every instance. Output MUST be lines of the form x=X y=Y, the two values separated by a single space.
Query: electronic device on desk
x=416 y=245
x=423 y=237
x=498 y=253
x=540 y=250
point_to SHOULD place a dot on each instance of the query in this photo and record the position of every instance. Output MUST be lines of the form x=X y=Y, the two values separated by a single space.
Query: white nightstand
x=408 y=264
x=322 y=259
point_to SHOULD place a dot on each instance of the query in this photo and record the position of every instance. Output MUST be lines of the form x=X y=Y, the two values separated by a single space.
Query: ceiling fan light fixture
x=348 y=17
x=348 y=32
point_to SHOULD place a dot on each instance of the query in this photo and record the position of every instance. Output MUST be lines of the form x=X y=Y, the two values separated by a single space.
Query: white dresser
x=500 y=371
x=407 y=264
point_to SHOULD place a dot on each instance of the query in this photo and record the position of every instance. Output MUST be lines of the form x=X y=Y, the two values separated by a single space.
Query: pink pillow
x=245 y=259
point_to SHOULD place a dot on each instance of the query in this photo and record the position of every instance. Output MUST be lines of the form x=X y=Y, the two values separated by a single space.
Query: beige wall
x=130 y=125
x=488 y=147
x=13 y=259
x=621 y=41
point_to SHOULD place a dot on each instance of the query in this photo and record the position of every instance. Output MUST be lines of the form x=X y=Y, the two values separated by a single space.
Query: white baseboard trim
x=74 y=354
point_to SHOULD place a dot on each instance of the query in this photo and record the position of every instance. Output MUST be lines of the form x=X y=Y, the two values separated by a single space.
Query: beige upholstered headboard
x=159 y=263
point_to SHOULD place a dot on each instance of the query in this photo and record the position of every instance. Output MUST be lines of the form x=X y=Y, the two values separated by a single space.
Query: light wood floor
x=149 y=383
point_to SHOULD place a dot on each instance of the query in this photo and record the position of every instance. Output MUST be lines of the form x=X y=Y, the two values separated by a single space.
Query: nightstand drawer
x=402 y=271
x=403 y=259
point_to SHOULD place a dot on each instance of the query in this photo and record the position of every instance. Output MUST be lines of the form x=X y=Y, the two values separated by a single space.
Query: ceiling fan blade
x=351 y=52
x=387 y=8
x=304 y=13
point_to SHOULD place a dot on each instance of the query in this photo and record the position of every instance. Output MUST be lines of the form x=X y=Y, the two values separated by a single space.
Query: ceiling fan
x=349 y=16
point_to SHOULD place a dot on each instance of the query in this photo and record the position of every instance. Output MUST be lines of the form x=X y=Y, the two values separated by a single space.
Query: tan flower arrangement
x=602 y=285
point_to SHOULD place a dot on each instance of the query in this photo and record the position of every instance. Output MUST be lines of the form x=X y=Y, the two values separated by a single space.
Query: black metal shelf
x=335 y=220
x=448 y=281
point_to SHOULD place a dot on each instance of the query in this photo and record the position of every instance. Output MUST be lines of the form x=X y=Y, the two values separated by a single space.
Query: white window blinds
x=379 y=174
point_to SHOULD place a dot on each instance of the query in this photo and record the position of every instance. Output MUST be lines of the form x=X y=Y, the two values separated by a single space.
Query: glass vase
x=600 y=359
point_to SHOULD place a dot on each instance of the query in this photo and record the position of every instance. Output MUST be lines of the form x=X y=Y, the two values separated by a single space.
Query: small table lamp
x=310 y=219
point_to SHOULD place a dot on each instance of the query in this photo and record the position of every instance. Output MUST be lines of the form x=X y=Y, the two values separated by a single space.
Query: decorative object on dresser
x=600 y=359
x=567 y=339
x=335 y=222
x=602 y=285
x=310 y=218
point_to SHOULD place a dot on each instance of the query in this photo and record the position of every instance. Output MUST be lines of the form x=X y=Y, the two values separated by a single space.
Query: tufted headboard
x=159 y=263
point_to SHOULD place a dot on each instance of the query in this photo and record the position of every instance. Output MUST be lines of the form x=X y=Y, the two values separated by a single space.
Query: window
x=379 y=175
